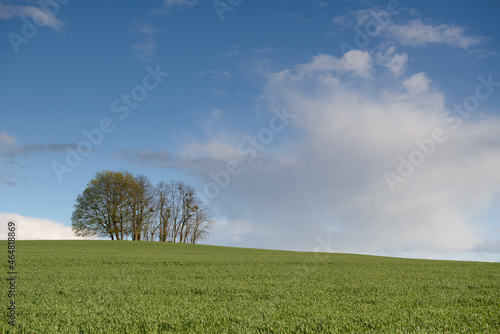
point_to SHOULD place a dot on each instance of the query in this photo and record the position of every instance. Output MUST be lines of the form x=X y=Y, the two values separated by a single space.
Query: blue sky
x=352 y=126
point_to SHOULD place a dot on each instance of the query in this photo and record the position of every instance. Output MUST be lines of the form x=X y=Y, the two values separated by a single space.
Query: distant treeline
x=121 y=205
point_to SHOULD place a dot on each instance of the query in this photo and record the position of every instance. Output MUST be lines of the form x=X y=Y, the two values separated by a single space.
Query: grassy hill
x=145 y=287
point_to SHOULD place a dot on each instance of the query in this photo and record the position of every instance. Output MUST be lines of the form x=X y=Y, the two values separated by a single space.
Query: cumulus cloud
x=397 y=63
x=355 y=62
x=329 y=180
x=351 y=138
x=417 y=83
x=34 y=228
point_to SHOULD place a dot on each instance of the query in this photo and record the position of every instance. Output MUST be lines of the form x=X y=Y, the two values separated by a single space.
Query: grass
x=142 y=287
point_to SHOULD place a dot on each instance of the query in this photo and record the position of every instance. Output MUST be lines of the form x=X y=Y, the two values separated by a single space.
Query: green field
x=151 y=287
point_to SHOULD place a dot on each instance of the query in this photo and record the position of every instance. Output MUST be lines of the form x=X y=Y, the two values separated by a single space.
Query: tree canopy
x=120 y=206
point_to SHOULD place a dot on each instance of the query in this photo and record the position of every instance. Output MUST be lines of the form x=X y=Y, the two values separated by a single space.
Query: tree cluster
x=121 y=206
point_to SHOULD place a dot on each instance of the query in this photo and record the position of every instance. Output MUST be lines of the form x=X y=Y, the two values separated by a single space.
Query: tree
x=164 y=210
x=202 y=223
x=174 y=203
x=120 y=205
x=140 y=204
x=100 y=210
x=188 y=200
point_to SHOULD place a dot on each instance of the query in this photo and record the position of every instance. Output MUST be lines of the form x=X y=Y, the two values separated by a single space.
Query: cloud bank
x=33 y=228
x=351 y=129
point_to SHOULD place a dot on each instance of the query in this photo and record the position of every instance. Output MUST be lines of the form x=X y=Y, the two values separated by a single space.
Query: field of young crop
x=141 y=287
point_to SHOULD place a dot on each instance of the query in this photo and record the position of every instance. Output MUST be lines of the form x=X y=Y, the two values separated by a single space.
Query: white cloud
x=146 y=46
x=356 y=62
x=413 y=33
x=35 y=13
x=351 y=137
x=168 y=5
x=395 y=62
x=242 y=234
x=144 y=29
x=145 y=50
x=34 y=228
x=218 y=92
x=262 y=50
x=214 y=75
x=5 y=138
x=216 y=113
x=230 y=53
x=189 y=3
x=329 y=180
x=417 y=83
x=342 y=20
x=359 y=62
x=214 y=150
x=416 y=33
x=362 y=16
